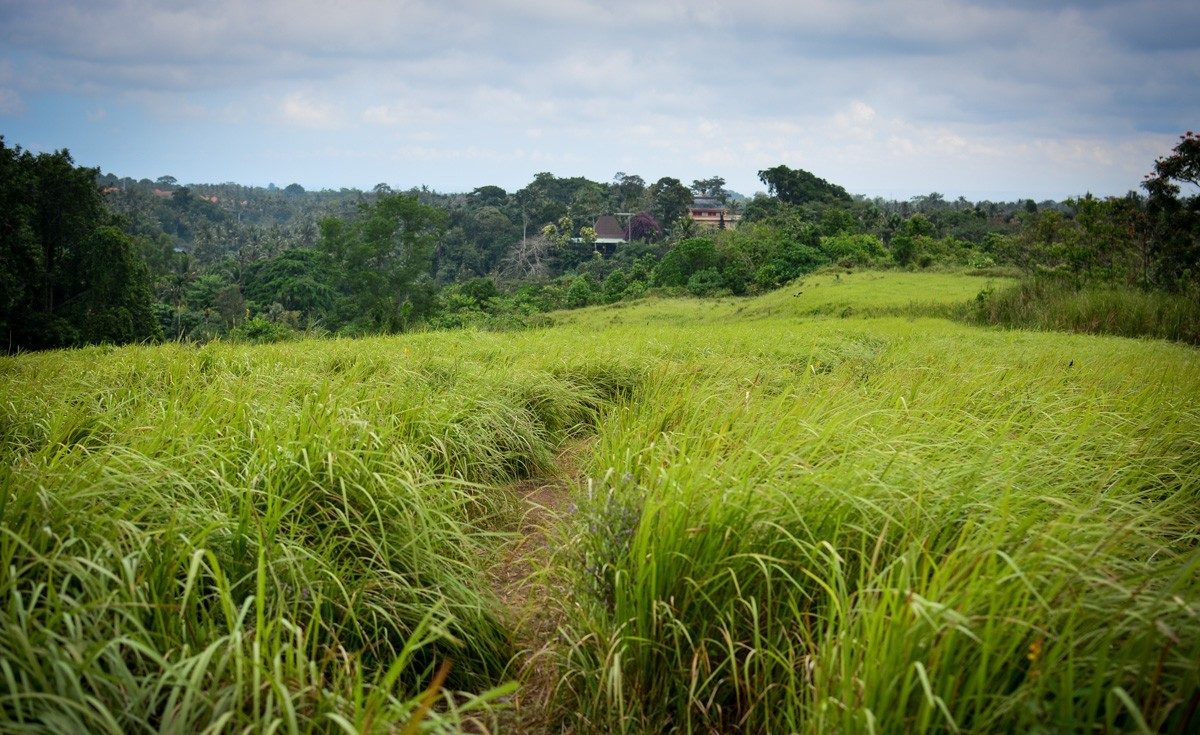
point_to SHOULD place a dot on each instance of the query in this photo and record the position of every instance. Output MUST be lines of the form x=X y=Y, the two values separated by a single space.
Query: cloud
x=303 y=110
x=387 y=115
x=854 y=85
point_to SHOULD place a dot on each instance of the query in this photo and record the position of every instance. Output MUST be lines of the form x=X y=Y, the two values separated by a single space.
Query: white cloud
x=386 y=115
x=303 y=110
x=873 y=95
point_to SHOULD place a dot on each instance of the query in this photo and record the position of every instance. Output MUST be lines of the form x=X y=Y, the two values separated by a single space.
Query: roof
x=707 y=203
x=607 y=228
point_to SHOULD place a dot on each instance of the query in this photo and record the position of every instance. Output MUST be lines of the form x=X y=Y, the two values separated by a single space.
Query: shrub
x=684 y=260
x=261 y=331
x=614 y=286
x=706 y=282
x=854 y=250
x=579 y=293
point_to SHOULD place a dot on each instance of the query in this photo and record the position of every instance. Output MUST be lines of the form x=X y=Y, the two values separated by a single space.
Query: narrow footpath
x=530 y=594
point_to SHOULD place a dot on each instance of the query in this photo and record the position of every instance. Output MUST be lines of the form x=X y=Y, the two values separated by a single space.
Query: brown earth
x=532 y=597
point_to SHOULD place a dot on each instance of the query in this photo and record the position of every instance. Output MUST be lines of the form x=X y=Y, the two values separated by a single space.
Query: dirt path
x=527 y=593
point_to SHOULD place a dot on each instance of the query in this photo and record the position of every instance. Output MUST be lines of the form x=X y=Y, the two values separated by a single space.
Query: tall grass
x=1100 y=309
x=795 y=519
x=288 y=537
x=893 y=526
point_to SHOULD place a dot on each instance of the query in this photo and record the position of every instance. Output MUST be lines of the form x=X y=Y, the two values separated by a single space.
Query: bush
x=635 y=290
x=261 y=331
x=854 y=250
x=684 y=260
x=706 y=282
x=768 y=277
x=614 y=286
x=579 y=293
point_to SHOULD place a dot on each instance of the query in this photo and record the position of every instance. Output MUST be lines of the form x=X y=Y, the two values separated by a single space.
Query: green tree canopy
x=670 y=199
x=797 y=186
x=68 y=277
x=710 y=187
x=380 y=257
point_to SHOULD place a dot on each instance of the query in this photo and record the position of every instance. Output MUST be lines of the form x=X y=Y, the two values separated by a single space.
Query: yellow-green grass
x=827 y=294
x=288 y=536
x=893 y=526
x=791 y=521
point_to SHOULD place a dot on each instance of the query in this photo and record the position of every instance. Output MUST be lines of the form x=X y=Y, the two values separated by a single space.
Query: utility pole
x=628 y=224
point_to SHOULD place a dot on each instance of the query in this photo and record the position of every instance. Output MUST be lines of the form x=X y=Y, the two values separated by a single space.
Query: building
x=609 y=232
x=712 y=213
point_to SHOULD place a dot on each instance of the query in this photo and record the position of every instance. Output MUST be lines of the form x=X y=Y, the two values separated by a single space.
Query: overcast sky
x=994 y=100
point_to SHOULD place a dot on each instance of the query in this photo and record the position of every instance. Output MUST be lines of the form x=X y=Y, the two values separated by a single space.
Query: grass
x=283 y=536
x=1098 y=309
x=825 y=295
x=825 y=512
x=894 y=526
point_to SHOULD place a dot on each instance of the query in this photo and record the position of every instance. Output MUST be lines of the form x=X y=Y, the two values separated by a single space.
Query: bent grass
x=798 y=519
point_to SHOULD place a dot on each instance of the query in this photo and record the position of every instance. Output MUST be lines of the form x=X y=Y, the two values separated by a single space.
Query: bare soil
x=532 y=595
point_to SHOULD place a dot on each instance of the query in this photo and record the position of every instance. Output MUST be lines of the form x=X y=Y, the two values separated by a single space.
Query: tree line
x=90 y=258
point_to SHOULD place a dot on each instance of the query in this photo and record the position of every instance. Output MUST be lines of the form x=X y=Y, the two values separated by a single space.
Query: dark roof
x=607 y=228
x=707 y=203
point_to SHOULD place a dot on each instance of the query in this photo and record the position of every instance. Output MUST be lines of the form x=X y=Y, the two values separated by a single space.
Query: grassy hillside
x=840 y=294
x=798 y=513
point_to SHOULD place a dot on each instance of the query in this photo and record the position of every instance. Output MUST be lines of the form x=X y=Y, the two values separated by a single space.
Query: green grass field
x=820 y=510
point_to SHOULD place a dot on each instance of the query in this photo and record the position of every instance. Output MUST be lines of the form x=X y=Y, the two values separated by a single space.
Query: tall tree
x=381 y=257
x=111 y=296
x=68 y=277
x=644 y=227
x=670 y=199
x=630 y=191
x=797 y=186
x=1176 y=217
x=711 y=187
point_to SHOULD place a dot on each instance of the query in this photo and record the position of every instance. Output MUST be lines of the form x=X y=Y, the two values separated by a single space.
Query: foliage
x=218 y=255
x=856 y=250
x=580 y=293
x=67 y=275
x=670 y=199
x=261 y=330
x=797 y=186
x=112 y=302
x=816 y=510
x=644 y=227
x=300 y=280
x=705 y=282
x=1175 y=218
x=379 y=259
x=684 y=260
x=1049 y=303
x=713 y=187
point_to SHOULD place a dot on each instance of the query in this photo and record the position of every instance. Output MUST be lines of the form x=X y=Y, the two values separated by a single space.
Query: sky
x=988 y=99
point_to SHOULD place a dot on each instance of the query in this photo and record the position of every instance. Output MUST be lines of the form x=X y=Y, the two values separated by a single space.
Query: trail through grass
x=823 y=512
x=524 y=580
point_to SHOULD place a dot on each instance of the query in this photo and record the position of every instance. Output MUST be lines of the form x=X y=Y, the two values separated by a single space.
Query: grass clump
x=1044 y=303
